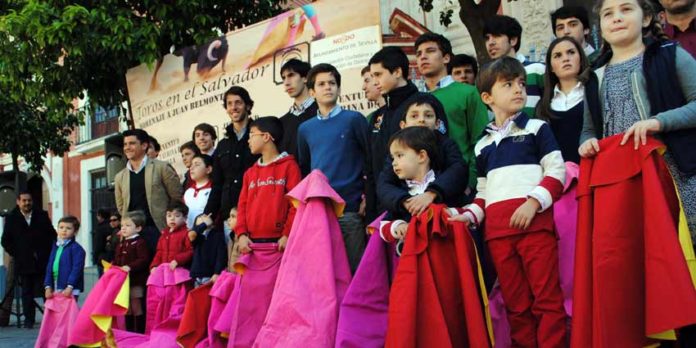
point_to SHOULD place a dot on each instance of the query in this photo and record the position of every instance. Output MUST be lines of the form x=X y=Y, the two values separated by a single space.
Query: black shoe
x=28 y=325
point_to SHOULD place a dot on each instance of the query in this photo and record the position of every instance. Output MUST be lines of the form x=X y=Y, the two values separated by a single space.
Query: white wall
x=85 y=235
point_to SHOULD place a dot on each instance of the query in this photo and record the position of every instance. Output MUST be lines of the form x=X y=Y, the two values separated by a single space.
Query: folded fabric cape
x=436 y=298
x=108 y=298
x=60 y=312
x=632 y=284
x=219 y=296
x=314 y=273
x=194 y=321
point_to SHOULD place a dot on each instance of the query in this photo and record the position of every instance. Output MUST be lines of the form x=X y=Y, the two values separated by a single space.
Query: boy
x=573 y=21
x=204 y=136
x=466 y=114
x=373 y=96
x=463 y=68
x=209 y=252
x=196 y=196
x=174 y=246
x=263 y=213
x=335 y=142
x=521 y=173
x=133 y=256
x=503 y=37
x=187 y=151
x=65 y=268
x=294 y=73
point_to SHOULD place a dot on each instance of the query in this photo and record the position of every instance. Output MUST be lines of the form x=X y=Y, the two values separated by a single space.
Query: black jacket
x=29 y=245
x=449 y=185
x=232 y=159
x=290 y=125
x=99 y=235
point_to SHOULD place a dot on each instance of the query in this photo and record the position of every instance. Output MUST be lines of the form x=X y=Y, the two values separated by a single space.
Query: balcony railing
x=101 y=122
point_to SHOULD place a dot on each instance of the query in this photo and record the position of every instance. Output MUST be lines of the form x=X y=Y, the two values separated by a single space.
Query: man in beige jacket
x=145 y=184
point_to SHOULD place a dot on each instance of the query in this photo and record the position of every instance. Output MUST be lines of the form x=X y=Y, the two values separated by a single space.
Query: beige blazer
x=162 y=187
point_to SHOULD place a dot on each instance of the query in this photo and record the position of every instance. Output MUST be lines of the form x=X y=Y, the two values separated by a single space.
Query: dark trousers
x=29 y=284
x=353 y=231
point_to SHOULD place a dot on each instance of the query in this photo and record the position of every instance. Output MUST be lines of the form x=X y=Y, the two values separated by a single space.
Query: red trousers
x=527 y=266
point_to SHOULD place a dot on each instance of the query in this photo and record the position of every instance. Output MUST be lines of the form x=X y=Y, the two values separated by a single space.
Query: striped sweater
x=535 y=83
x=519 y=160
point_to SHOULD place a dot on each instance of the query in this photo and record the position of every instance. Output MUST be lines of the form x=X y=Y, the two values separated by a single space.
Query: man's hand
x=524 y=214
x=244 y=244
x=173 y=264
x=400 y=231
x=417 y=204
x=282 y=243
x=48 y=293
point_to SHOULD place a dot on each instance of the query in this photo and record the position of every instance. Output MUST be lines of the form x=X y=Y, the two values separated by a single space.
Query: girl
x=562 y=103
x=65 y=268
x=630 y=90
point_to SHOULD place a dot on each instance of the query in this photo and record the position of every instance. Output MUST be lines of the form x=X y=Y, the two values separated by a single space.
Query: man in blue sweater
x=335 y=142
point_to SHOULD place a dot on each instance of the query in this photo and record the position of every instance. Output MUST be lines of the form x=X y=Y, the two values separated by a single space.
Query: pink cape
x=166 y=297
x=565 y=216
x=60 y=313
x=314 y=273
x=194 y=321
x=367 y=297
x=257 y=272
x=101 y=305
x=219 y=296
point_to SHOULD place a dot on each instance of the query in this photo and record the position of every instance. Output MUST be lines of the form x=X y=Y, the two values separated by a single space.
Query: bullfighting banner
x=186 y=88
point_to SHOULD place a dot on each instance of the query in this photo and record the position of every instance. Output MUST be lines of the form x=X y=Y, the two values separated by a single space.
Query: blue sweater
x=338 y=147
x=71 y=267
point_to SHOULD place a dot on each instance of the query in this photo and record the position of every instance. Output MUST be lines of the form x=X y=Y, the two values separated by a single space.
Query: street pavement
x=14 y=337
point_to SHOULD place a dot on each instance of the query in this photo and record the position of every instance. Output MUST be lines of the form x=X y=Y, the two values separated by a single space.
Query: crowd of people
x=496 y=148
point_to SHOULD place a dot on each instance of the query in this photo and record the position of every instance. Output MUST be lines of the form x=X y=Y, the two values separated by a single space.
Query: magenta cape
x=108 y=298
x=314 y=273
x=367 y=297
x=194 y=321
x=257 y=272
x=166 y=297
x=60 y=313
x=219 y=296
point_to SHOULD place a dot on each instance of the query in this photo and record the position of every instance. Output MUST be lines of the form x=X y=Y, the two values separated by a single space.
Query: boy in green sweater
x=467 y=116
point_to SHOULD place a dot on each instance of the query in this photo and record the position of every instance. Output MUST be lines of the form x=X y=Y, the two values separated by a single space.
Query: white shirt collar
x=588 y=49
x=444 y=82
x=143 y=163
x=416 y=187
x=333 y=113
x=521 y=58
x=565 y=102
x=297 y=110
x=133 y=236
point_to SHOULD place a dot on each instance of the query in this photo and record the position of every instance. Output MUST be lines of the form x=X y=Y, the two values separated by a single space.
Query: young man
x=466 y=114
x=294 y=73
x=232 y=156
x=463 y=68
x=681 y=22
x=503 y=36
x=154 y=149
x=369 y=86
x=335 y=142
x=204 y=136
x=187 y=151
x=389 y=69
x=573 y=21
x=131 y=185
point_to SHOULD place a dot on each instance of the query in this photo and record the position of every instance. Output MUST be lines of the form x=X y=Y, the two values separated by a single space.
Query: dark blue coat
x=70 y=268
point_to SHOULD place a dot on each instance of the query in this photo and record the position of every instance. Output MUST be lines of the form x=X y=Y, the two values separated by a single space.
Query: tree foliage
x=54 y=51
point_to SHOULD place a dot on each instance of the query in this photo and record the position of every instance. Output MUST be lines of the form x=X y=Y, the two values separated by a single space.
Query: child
x=335 y=142
x=187 y=151
x=232 y=246
x=133 y=255
x=196 y=195
x=173 y=246
x=520 y=174
x=209 y=254
x=264 y=214
x=424 y=110
x=444 y=295
x=65 y=268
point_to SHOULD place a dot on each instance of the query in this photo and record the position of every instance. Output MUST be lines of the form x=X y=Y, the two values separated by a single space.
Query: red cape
x=194 y=322
x=435 y=299
x=631 y=278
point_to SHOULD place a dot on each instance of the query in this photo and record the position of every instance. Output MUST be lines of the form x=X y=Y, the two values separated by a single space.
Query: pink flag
x=565 y=217
x=314 y=273
x=219 y=296
x=60 y=312
x=108 y=298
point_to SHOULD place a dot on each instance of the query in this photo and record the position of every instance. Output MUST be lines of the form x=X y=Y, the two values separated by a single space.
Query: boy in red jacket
x=264 y=214
x=174 y=246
